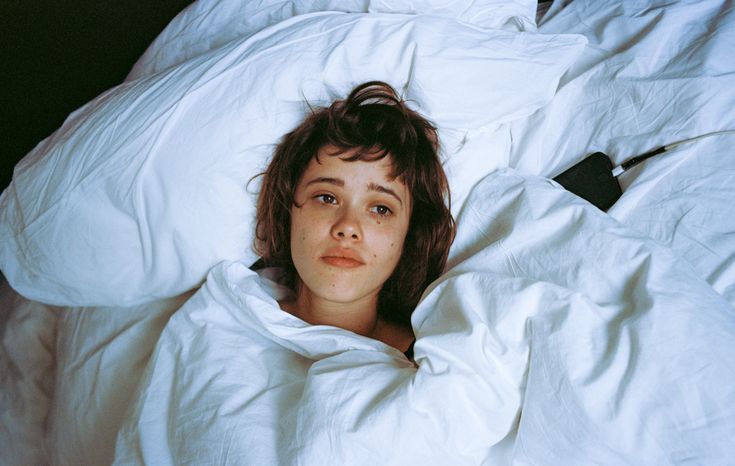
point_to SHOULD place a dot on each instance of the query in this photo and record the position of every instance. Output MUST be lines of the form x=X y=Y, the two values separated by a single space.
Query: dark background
x=58 y=55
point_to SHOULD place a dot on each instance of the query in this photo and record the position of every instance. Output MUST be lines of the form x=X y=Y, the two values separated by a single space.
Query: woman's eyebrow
x=383 y=189
x=341 y=183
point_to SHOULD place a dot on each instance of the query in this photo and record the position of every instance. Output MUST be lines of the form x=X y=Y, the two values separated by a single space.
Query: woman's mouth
x=343 y=258
x=342 y=262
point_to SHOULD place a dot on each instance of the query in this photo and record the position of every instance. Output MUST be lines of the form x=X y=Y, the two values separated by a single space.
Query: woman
x=354 y=209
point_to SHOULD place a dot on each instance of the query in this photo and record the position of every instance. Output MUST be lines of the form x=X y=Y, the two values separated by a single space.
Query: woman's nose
x=347 y=226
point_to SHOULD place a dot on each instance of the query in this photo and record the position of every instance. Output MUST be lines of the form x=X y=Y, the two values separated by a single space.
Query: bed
x=133 y=331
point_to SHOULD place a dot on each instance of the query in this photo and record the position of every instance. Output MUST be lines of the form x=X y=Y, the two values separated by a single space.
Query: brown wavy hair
x=374 y=120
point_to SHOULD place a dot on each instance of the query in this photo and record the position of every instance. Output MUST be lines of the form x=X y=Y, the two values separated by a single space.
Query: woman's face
x=347 y=227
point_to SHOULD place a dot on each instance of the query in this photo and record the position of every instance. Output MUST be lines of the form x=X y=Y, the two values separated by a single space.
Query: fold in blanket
x=558 y=336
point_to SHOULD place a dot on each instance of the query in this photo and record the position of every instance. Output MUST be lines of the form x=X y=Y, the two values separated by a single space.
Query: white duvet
x=587 y=344
x=560 y=335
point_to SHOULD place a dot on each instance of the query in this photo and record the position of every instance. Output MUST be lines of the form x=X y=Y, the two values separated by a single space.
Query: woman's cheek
x=391 y=246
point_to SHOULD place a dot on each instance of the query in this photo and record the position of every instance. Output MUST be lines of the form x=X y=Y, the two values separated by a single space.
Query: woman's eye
x=381 y=210
x=326 y=198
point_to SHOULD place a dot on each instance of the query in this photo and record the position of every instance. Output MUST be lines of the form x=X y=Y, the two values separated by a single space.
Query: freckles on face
x=348 y=226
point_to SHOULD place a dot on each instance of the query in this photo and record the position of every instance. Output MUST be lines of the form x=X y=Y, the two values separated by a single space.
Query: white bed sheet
x=148 y=186
x=209 y=24
x=27 y=366
x=550 y=341
x=100 y=355
x=654 y=73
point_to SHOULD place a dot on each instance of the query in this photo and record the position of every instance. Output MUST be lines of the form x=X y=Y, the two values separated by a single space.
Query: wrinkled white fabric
x=148 y=186
x=653 y=73
x=558 y=335
x=100 y=355
x=27 y=340
x=207 y=24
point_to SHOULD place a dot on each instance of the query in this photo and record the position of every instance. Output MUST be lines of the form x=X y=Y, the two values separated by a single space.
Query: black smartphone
x=592 y=180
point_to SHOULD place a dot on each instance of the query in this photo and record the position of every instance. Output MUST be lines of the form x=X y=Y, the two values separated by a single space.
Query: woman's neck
x=360 y=317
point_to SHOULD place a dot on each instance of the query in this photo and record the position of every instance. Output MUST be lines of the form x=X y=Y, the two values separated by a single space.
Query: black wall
x=58 y=55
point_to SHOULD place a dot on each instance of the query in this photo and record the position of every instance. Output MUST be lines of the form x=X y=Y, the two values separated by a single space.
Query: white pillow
x=143 y=190
x=207 y=24
x=515 y=15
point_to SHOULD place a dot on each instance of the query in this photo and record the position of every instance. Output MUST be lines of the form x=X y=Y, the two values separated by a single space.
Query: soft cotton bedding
x=27 y=360
x=558 y=335
x=557 y=329
x=654 y=73
x=151 y=184
x=101 y=353
x=205 y=26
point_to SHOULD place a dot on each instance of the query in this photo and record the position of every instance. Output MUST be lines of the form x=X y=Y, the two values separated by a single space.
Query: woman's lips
x=343 y=258
x=342 y=262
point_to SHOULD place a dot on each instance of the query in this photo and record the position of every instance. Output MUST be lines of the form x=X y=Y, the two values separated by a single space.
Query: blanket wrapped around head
x=557 y=336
